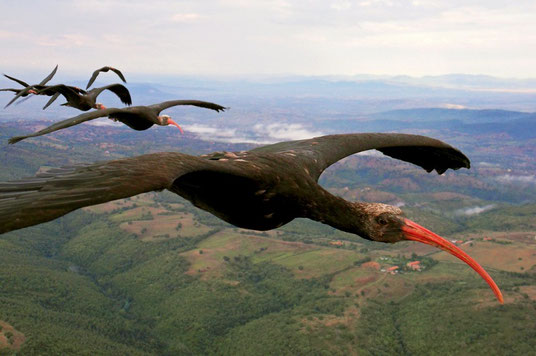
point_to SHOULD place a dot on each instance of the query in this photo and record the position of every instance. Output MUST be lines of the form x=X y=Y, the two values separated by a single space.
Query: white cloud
x=475 y=210
x=313 y=37
x=185 y=17
x=453 y=106
x=5 y=35
x=65 y=40
x=259 y=134
x=508 y=178
x=341 y=5
x=281 y=132
x=209 y=133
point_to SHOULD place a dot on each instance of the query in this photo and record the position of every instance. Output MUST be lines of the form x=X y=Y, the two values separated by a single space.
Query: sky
x=241 y=38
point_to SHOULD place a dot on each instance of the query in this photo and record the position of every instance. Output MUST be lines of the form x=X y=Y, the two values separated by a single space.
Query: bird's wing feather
x=92 y=79
x=67 y=123
x=319 y=153
x=119 y=74
x=118 y=89
x=24 y=84
x=51 y=100
x=48 y=77
x=68 y=92
x=52 y=194
x=202 y=104
x=18 y=95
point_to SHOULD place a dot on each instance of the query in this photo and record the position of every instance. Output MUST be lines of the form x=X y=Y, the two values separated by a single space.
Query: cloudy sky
x=272 y=37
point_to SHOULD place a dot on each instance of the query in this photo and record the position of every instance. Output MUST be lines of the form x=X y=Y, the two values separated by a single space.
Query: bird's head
x=383 y=223
x=386 y=223
x=165 y=120
x=99 y=106
x=32 y=91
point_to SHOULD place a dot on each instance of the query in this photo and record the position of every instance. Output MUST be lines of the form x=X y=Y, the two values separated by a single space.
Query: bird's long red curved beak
x=171 y=122
x=416 y=232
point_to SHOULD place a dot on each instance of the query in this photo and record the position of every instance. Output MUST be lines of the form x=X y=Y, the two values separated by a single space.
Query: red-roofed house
x=414 y=265
x=392 y=270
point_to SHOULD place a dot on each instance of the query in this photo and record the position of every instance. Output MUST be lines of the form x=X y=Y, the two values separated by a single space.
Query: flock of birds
x=260 y=189
x=136 y=117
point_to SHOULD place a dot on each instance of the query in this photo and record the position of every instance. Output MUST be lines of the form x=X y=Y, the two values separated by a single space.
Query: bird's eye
x=381 y=220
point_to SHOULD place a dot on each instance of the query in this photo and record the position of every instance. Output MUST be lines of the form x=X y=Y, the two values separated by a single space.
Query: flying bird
x=40 y=90
x=29 y=89
x=136 y=117
x=260 y=189
x=104 y=69
x=86 y=100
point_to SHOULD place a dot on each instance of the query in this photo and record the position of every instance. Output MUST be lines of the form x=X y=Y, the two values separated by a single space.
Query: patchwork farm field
x=351 y=272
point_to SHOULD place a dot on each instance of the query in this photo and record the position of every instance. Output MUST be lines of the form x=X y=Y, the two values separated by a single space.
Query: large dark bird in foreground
x=136 y=117
x=29 y=89
x=105 y=69
x=87 y=100
x=260 y=189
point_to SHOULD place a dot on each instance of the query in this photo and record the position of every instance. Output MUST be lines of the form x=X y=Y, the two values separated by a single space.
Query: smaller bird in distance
x=86 y=100
x=136 y=117
x=29 y=89
x=104 y=69
x=22 y=91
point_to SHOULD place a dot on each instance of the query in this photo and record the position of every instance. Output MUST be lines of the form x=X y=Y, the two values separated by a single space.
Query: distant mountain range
x=361 y=93
x=513 y=123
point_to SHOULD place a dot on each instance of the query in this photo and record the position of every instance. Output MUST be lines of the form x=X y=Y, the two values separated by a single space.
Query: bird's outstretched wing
x=118 y=89
x=52 y=194
x=51 y=100
x=319 y=153
x=105 y=69
x=18 y=95
x=68 y=92
x=24 y=84
x=202 y=104
x=50 y=76
x=67 y=123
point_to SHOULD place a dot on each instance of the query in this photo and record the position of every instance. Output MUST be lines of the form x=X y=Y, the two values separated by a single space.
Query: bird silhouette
x=104 y=69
